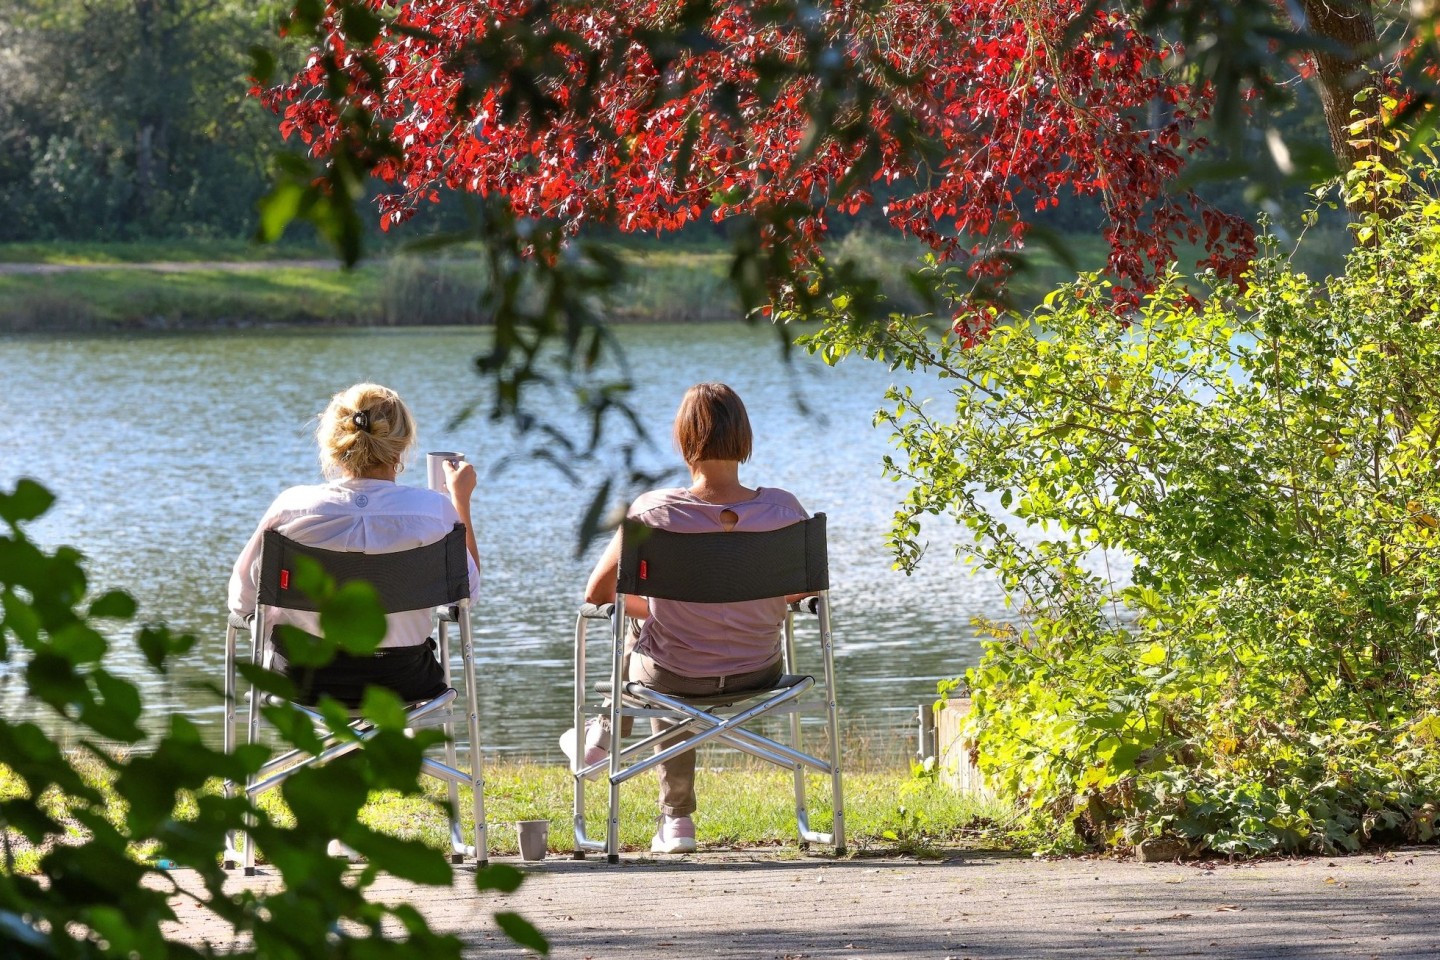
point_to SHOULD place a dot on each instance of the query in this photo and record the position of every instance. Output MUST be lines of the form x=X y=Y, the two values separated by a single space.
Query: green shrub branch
x=1218 y=520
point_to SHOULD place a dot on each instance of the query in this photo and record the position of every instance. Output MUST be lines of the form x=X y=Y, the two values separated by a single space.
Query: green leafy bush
x=1219 y=521
x=94 y=887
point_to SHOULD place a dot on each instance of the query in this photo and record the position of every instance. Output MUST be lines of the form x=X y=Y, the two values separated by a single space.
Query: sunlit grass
x=749 y=806
x=744 y=805
x=156 y=251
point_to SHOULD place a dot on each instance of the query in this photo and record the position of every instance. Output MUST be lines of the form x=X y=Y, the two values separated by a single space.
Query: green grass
x=398 y=291
x=386 y=293
x=158 y=251
x=749 y=805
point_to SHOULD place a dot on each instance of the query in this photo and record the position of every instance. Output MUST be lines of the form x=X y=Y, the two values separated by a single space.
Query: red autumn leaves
x=965 y=118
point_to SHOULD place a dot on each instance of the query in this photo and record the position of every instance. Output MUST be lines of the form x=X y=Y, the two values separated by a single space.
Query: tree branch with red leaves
x=647 y=116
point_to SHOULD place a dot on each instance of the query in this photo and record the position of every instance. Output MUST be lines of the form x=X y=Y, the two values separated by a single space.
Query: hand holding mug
x=460 y=480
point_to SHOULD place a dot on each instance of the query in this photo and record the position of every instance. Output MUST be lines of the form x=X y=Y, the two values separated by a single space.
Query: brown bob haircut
x=712 y=424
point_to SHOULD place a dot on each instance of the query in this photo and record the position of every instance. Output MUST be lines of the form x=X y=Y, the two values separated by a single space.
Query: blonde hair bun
x=365 y=427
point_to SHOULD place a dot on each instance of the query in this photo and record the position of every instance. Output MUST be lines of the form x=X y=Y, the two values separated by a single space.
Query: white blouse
x=371 y=516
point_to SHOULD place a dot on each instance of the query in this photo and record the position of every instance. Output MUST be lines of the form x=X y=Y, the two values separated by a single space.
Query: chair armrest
x=240 y=622
x=808 y=605
x=597 y=611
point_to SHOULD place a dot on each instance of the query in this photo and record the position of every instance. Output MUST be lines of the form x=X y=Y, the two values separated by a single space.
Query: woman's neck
x=386 y=471
x=718 y=481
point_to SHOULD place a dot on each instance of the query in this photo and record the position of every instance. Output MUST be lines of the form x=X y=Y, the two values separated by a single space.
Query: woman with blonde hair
x=364 y=436
x=697 y=649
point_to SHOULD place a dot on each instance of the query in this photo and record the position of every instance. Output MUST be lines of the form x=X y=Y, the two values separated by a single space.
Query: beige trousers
x=677 y=776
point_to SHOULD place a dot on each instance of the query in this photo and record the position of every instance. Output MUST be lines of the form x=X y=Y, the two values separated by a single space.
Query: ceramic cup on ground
x=534 y=838
x=435 y=467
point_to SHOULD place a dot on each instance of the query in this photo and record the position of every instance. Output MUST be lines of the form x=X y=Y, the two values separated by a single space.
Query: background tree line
x=129 y=119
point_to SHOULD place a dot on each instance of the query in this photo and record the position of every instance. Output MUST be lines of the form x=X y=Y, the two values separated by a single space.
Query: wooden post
x=926 y=739
x=957 y=769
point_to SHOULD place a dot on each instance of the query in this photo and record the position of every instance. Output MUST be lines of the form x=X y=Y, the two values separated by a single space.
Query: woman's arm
x=242 y=577
x=245 y=575
x=460 y=481
x=601 y=588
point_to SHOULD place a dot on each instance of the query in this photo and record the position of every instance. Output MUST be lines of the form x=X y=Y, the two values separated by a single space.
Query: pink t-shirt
x=714 y=639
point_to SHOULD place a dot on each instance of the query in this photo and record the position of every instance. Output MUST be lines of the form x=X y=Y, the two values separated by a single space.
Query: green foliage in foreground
x=887 y=811
x=1266 y=676
x=98 y=897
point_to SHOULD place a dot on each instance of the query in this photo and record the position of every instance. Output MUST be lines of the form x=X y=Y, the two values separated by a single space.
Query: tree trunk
x=1340 y=74
x=156 y=26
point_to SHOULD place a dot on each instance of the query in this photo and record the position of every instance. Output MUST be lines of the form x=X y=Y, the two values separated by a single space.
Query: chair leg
x=612 y=826
x=618 y=625
x=477 y=754
x=577 y=809
x=452 y=789
x=577 y=817
x=583 y=842
x=457 y=835
x=837 y=796
x=802 y=813
x=230 y=859
x=252 y=733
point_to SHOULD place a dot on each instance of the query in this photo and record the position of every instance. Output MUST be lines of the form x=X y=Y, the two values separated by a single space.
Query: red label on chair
x=644 y=570
x=284 y=579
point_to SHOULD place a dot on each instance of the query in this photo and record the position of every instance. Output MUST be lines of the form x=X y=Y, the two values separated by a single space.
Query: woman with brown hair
x=697 y=649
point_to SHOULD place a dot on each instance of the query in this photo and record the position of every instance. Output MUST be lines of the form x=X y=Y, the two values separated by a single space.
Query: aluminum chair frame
x=453 y=608
x=724 y=721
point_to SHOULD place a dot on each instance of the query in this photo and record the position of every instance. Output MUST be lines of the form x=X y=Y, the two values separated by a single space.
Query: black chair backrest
x=415 y=579
x=723 y=567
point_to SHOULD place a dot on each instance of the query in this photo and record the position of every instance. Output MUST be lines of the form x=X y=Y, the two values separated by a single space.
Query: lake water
x=165 y=449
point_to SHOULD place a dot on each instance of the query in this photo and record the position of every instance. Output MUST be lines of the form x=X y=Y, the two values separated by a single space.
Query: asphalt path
x=980 y=906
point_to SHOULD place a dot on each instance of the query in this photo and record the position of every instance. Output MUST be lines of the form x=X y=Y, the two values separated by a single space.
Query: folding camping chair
x=712 y=568
x=433 y=576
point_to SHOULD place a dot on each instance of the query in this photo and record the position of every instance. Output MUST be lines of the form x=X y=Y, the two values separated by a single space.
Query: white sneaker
x=675 y=835
x=597 y=747
x=343 y=851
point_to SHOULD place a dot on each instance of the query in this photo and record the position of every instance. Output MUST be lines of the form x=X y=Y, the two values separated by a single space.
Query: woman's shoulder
x=362 y=493
x=664 y=497
x=781 y=498
x=302 y=495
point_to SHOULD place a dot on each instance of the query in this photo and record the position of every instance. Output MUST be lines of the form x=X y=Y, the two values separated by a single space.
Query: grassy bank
x=397 y=291
x=887 y=811
x=667 y=282
x=186 y=251
x=157 y=251
x=115 y=299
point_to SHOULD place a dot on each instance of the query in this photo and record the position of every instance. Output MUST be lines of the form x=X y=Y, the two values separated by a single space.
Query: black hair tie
x=361 y=419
